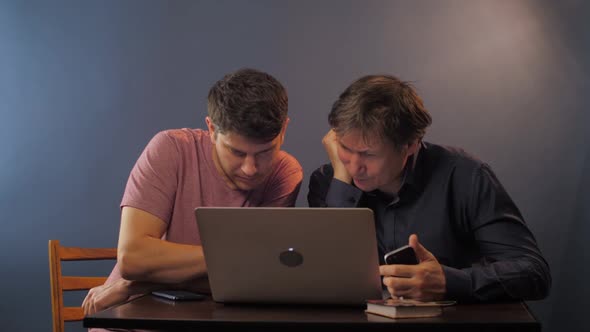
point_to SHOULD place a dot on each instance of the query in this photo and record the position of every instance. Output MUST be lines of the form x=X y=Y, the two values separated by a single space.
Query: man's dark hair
x=382 y=106
x=250 y=103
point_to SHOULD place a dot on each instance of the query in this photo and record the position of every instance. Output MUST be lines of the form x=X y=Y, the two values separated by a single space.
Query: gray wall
x=85 y=84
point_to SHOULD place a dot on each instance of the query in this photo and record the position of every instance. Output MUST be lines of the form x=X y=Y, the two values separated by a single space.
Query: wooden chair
x=60 y=284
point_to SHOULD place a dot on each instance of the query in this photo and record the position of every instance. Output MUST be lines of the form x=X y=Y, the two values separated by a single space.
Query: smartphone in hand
x=179 y=295
x=404 y=255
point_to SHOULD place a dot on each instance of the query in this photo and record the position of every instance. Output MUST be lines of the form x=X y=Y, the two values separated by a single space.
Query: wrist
x=124 y=286
x=133 y=287
x=343 y=176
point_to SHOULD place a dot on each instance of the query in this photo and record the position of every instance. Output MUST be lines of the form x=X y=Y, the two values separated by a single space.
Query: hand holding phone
x=404 y=255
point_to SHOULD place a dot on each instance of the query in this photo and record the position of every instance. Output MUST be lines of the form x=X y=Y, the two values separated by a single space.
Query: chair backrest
x=60 y=283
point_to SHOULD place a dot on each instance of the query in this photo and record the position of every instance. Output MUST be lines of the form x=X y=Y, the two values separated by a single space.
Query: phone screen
x=404 y=255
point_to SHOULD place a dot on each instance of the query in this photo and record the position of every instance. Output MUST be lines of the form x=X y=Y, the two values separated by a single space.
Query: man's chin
x=364 y=185
x=247 y=185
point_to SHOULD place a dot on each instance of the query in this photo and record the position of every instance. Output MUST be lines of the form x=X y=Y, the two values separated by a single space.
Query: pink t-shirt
x=176 y=173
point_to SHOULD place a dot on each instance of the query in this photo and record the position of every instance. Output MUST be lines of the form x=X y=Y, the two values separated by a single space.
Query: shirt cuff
x=458 y=284
x=341 y=194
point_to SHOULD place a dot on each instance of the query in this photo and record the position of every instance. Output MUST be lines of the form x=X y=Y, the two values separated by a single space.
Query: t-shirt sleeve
x=284 y=185
x=152 y=183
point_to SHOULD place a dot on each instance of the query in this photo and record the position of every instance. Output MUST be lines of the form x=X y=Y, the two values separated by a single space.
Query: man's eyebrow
x=355 y=151
x=232 y=148
x=344 y=146
x=268 y=149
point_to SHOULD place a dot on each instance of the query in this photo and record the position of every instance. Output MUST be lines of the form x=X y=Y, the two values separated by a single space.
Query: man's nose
x=249 y=166
x=356 y=165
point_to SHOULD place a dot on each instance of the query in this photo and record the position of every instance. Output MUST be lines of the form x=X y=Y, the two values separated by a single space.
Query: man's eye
x=366 y=155
x=345 y=148
x=238 y=153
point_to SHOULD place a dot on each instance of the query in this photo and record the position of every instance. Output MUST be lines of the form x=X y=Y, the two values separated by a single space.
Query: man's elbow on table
x=535 y=286
x=130 y=265
x=543 y=282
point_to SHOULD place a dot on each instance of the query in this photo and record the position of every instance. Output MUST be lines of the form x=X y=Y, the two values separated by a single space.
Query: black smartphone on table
x=404 y=255
x=179 y=295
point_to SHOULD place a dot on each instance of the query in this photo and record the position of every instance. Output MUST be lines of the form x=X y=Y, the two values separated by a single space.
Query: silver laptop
x=290 y=255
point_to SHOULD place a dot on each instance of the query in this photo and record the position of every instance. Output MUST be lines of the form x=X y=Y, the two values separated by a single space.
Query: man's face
x=243 y=162
x=373 y=165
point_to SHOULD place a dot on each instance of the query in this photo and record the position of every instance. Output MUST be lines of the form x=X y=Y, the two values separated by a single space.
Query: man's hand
x=424 y=282
x=105 y=296
x=330 y=142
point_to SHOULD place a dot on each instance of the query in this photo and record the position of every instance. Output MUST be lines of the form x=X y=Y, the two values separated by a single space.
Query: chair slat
x=56 y=291
x=60 y=283
x=73 y=313
x=81 y=283
x=74 y=253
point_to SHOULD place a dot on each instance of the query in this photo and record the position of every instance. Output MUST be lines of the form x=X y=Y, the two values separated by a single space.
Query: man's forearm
x=341 y=194
x=327 y=191
x=502 y=280
x=155 y=260
x=131 y=288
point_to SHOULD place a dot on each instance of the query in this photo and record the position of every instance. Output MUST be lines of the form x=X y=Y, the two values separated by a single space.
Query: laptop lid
x=290 y=255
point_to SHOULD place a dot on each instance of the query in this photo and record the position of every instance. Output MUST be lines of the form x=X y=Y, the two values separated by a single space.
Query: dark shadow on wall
x=570 y=290
x=570 y=296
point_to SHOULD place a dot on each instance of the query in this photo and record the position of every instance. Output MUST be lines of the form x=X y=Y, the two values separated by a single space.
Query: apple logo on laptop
x=291 y=258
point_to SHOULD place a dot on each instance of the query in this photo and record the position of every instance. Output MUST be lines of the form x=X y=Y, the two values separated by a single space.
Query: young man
x=237 y=162
x=474 y=244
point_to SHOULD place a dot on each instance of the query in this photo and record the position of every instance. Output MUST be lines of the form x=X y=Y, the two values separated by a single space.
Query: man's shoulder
x=325 y=170
x=322 y=177
x=181 y=140
x=288 y=164
x=450 y=155
x=183 y=135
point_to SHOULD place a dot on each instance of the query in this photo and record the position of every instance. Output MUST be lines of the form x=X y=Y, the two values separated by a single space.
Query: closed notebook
x=403 y=308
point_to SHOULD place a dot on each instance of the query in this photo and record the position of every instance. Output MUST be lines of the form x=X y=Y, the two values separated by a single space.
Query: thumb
x=421 y=253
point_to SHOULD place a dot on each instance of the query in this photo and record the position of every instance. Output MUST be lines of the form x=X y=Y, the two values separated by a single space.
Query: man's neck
x=396 y=185
x=393 y=188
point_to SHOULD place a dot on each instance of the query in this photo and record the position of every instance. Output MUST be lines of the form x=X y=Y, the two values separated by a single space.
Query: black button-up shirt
x=461 y=213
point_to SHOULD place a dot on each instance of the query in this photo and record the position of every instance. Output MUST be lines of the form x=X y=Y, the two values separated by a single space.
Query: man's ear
x=412 y=148
x=283 y=131
x=211 y=128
